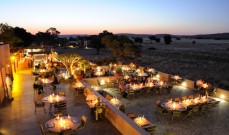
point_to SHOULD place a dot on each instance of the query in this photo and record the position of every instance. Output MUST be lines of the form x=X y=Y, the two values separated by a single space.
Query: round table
x=62 y=123
x=53 y=100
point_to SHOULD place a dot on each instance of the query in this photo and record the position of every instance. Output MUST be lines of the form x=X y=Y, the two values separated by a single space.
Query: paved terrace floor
x=18 y=118
x=210 y=123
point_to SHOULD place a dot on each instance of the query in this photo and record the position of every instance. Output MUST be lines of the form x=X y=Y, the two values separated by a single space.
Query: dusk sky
x=118 y=16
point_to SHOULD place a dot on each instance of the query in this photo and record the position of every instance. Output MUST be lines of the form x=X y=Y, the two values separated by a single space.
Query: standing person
x=9 y=86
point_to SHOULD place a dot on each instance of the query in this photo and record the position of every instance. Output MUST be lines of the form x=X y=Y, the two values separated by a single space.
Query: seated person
x=38 y=84
x=134 y=80
x=143 y=80
x=122 y=88
x=128 y=81
x=55 y=81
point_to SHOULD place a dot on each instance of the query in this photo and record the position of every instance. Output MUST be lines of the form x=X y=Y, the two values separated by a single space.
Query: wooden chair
x=203 y=108
x=190 y=96
x=39 y=105
x=108 y=97
x=158 y=102
x=215 y=103
x=196 y=108
x=56 y=114
x=61 y=93
x=122 y=108
x=130 y=92
x=45 y=132
x=183 y=97
x=151 y=130
x=131 y=115
x=176 y=114
x=61 y=106
x=83 y=124
x=177 y=99
x=161 y=111
x=188 y=113
x=68 y=132
x=98 y=112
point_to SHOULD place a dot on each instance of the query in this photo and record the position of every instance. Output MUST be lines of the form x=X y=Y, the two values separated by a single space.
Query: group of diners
x=186 y=105
x=39 y=82
x=144 y=83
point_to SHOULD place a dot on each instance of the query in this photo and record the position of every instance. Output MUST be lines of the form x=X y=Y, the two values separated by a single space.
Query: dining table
x=59 y=124
x=143 y=122
x=116 y=102
x=52 y=99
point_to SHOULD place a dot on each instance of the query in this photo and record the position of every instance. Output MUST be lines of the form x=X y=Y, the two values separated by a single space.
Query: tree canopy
x=96 y=40
x=138 y=40
x=7 y=35
x=121 y=46
x=167 y=39
x=69 y=60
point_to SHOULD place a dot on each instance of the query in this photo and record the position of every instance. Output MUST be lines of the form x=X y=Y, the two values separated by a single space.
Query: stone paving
x=214 y=122
x=18 y=118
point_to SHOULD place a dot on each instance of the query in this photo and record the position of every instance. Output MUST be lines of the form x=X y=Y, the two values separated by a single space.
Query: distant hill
x=216 y=36
x=212 y=36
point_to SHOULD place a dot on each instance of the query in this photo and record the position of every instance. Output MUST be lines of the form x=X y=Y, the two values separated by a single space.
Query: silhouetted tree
x=152 y=37
x=138 y=40
x=50 y=37
x=121 y=46
x=167 y=39
x=157 y=40
x=8 y=36
x=96 y=40
x=26 y=37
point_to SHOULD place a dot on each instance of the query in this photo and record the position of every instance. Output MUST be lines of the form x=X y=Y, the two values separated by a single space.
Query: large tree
x=96 y=40
x=50 y=37
x=26 y=37
x=121 y=46
x=7 y=35
x=167 y=39
x=69 y=60
x=138 y=40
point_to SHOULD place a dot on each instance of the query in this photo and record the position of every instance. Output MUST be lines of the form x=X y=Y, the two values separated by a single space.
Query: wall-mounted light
x=222 y=96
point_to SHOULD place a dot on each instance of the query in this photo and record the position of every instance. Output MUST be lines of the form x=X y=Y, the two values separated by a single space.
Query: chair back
x=176 y=114
x=195 y=108
x=131 y=92
x=61 y=93
x=61 y=106
x=42 y=129
x=68 y=132
x=108 y=97
x=131 y=115
x=177 y=99
x=122 y=108
x=183 y=97
x=151 y=129
x=191 y=97
x=158 y=102
x=83 y=120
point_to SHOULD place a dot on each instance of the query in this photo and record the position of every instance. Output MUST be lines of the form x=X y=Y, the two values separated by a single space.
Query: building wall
x=5 y=68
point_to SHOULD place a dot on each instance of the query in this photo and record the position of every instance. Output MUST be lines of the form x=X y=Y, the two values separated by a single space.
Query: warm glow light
x=158 y=76
x=12 y=58
x=102 y=82
x=183 y=84
x=222 y=96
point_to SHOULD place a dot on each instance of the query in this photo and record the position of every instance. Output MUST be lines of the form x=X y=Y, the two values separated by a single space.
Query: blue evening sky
x=118 y=16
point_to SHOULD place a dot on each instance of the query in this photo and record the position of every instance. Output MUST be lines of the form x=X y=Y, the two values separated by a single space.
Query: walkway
x=18 y=118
